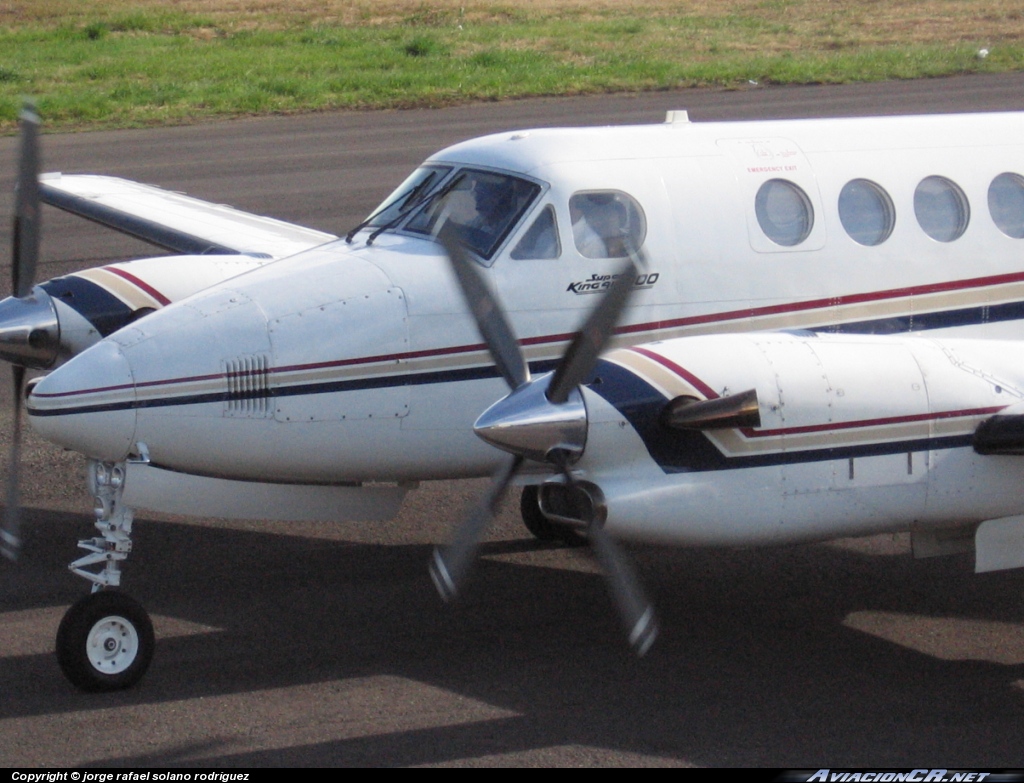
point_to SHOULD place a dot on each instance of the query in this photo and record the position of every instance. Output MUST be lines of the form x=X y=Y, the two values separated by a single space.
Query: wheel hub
x=112 y=645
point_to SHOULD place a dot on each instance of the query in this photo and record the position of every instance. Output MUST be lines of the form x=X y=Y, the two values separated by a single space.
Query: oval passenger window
x=1006 y=204
x=866 y=212
x=784 y=212
x=941 y=208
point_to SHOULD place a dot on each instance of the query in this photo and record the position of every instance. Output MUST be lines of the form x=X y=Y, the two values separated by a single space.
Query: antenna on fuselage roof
x=677 y=116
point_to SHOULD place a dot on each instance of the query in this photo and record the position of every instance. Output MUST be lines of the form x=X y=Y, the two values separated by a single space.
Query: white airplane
x=815 y=326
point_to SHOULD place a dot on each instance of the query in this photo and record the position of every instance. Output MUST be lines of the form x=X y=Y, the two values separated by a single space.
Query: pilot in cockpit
x=483 y=210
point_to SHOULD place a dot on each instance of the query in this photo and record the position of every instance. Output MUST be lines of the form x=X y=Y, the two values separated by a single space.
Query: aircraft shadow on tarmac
x=758 y=650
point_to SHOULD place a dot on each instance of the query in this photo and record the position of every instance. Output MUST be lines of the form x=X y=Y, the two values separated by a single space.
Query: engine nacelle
x=854 y=435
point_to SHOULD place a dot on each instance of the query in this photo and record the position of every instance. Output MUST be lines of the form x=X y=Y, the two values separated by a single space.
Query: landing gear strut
x=105 y=641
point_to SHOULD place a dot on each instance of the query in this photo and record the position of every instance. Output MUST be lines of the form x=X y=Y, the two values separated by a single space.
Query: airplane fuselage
x=358 y=362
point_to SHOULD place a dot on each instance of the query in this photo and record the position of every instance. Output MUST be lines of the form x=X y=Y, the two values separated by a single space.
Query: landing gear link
x=105 y=641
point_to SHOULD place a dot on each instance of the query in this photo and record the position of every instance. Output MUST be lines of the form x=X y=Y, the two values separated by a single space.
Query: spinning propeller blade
x=636 y=611
x=450 y=565
x=25 y=252
x=24 y=255
x=588 y=343
x=488 y=313
x=10 y=540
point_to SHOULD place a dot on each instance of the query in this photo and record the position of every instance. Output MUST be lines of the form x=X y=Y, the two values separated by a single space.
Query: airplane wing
x=174 y=221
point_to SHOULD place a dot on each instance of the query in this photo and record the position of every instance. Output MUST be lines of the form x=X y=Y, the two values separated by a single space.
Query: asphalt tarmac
x=325 y=644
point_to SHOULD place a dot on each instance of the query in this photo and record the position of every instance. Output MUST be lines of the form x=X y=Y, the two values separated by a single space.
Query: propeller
x=543 y=419
x=24 y=255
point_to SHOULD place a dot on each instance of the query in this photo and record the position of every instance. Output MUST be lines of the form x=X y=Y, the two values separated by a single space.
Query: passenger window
x=784 y=212
x=942 y=209
x=1006 y=204
x=606 y=224
x=540 y=239
x=866 y=212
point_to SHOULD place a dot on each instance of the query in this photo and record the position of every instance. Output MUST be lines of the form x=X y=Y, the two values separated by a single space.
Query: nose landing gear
x=105 y=641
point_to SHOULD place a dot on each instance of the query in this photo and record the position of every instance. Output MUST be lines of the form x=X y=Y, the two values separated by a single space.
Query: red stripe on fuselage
x=730 y=315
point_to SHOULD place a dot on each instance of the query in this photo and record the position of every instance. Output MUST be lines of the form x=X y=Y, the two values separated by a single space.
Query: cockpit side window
x=541 y=239
x=481 y=207
x=606 y=224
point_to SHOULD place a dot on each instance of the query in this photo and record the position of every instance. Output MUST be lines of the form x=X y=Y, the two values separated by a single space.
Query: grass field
x=116 y=63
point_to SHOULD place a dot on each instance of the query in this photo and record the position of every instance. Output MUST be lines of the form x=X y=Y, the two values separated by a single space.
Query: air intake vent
x=248 y=386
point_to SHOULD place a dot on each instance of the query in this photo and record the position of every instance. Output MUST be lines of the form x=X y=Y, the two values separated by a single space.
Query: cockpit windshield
x=481 y=207
x=407 y=195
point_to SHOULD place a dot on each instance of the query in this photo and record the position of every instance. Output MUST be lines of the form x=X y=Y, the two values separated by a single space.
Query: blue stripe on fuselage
x=91 y=297
x=98 y=306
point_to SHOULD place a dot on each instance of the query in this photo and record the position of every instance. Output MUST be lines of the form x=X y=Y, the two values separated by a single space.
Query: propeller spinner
x=542 y=419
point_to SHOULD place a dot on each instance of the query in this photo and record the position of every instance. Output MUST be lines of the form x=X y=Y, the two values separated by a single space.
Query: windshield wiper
x=411 y=198
x=424 y=203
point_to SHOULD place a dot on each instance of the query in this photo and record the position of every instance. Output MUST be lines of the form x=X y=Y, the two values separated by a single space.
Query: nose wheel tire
x=105 y=642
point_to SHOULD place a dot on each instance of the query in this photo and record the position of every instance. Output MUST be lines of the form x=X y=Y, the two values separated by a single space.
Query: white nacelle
x=858 y=435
